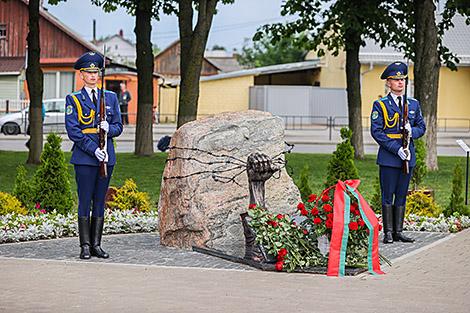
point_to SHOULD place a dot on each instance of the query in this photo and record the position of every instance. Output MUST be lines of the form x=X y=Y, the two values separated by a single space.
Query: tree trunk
x=144 y=62
x=193 y=44
x=426 y=73
x=34 y=77
x=353 y=82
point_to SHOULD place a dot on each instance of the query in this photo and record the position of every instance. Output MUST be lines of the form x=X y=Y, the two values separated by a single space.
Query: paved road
x=435 y=279
x=306 y=141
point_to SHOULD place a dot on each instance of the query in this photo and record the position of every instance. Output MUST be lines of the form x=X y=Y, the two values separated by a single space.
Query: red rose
x=327 y=208
x=361 y=222
x=329 y=223
x=252 y=206
x=301 y=206
x=282 y=252
x=330 y=216
x=354 y=205
x=303 y=212
x=305 y=231
x=317 y=220
x=353 y=226
x=314 y=211
x=279 y=266
x=325 y=198
x=312 y=198
x=380 y=227
x=279 y=216
x=367 y=231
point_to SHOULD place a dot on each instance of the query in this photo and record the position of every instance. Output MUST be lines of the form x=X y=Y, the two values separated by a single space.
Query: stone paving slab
x=145 y=249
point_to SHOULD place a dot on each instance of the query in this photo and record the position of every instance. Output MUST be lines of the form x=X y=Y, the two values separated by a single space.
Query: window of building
x=58 y=84
x=3 y=31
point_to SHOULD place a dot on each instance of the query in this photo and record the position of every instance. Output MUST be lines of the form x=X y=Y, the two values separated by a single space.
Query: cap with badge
x=396 y=70
x=89 y=62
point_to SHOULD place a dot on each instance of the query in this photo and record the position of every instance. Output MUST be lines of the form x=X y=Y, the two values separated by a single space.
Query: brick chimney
x=121 y=33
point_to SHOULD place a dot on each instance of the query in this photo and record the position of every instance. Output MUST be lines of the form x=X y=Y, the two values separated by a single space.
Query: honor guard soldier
x=387 y=125
x=82 y=112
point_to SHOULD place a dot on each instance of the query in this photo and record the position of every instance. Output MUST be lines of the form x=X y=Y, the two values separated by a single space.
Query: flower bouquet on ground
x=337 y=229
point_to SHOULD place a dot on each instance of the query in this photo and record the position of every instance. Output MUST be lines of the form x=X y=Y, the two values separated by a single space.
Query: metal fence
x=11 y=106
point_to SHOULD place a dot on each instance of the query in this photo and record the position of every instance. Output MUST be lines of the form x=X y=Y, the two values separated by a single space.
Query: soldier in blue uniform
x=82 y=122
x=386 y=129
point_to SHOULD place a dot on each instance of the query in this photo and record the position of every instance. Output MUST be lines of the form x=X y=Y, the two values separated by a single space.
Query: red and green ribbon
x=340 y=232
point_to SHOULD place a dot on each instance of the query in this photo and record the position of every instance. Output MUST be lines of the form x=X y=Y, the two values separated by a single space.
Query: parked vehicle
x=54 y=119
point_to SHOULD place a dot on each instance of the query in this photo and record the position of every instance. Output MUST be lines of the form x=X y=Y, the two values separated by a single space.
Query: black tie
x=93 y=96
x=399 y=103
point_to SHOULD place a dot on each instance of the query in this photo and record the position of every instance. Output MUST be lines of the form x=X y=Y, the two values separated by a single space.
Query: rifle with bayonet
x=405 y=134
x=102 y=134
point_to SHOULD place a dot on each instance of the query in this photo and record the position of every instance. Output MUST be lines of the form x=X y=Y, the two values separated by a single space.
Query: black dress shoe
x=388 y=237
x=85 y=252
x=401 y=237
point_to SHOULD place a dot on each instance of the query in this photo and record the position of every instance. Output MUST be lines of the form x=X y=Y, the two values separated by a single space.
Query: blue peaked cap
x=396 y=70
x=89 y=62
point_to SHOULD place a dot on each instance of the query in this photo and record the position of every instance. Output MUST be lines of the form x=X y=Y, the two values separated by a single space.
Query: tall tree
x=144 y=11
x=193 y=40
x=264 y=52
x=35 y=79
x=336 y=26
x=420 y=37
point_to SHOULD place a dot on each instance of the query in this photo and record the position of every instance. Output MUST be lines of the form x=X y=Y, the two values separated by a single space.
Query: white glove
x=100 y=154
x=104 y=126
x=408 y=127
x=404 y=154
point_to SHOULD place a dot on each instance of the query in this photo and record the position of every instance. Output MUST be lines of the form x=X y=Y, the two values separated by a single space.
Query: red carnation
x=280 y=216
x=354 y=205
x=301 y=206
x=272 y=223
x=252 y=206
x=356 y=212
x=330 y=216
x=317 y=220
x=305 y=231
x=279 y=266
x=380 y=227
x=353 y=226
x=312 y=198
x=282 y=252
x=325 y=198
x=327 y=208
x=329 y=223
x=303 y=212
x=361 y=222
x=314 y=211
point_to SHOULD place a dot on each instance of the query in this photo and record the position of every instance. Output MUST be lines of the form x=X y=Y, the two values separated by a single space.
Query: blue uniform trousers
x=91 y=186
x=393 y=182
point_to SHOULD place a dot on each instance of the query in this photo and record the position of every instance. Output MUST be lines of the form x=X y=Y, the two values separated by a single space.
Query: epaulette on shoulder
x=76 y=92
x=411 y=98
x=384 y=99
x=109 y=91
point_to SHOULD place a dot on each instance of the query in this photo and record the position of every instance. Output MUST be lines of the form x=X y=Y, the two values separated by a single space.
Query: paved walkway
x=431 y=279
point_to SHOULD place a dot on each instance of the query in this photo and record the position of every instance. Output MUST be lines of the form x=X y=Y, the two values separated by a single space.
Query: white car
x=54 y=119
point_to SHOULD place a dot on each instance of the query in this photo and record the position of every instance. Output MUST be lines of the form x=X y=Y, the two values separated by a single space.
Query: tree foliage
x=266 y=52
x=336 y=26
x=52 y=180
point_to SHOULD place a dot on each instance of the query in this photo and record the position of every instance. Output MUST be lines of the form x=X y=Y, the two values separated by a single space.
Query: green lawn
x=147 y=172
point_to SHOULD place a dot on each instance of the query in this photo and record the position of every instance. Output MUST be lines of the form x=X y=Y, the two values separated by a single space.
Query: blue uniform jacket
x=81 y=122
x=386 y=131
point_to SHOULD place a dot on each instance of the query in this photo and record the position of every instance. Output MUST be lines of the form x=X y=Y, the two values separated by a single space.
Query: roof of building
x=51 y=18
x=12 y=65
x=225 y=64
x=109 y=38
x=271 y=69
x=457 y=39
